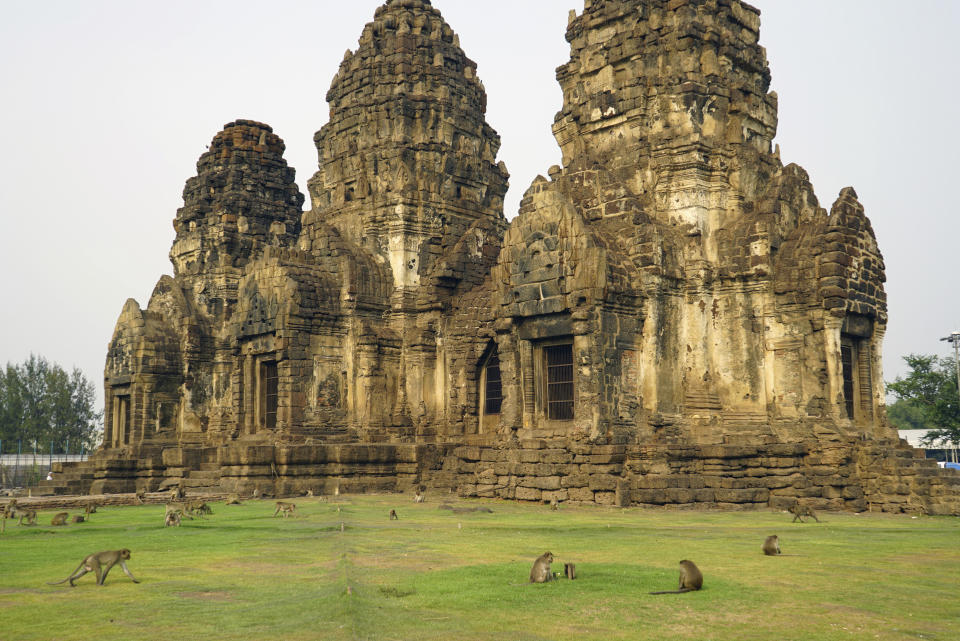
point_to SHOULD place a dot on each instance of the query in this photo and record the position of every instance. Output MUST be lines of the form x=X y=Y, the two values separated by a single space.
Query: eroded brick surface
x=671 y=319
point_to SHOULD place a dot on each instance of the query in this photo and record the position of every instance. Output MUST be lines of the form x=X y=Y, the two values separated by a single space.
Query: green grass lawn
x=243 y=575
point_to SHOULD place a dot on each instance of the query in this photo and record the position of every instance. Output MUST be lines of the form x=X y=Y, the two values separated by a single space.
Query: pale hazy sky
x=109 y=103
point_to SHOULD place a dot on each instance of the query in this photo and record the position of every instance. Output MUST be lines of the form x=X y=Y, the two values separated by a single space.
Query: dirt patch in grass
x=206 y=596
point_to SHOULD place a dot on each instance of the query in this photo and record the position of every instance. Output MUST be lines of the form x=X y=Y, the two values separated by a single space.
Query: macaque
x=800 y=511
x=101 y=562
x=30 y=515
x=233 y=499
x=176 y=493
x=418 y=497
x=139 y=496
x=393 y=515
x=771 y=546
x=198 y=507
x=179 y=509
x=540 y=572
x=78 y=518
x=554 y=504
x=288 y=509
x=10 y=509
x=690 y=579
x=60 y=518
x=172 y=519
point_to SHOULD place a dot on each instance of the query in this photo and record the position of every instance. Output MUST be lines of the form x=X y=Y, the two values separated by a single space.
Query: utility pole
x=954 y=338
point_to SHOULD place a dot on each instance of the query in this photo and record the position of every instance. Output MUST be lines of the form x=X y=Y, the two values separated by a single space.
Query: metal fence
x=27 y=469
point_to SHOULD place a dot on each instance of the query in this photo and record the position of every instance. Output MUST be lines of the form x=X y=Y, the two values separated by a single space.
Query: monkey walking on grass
x=101 y=562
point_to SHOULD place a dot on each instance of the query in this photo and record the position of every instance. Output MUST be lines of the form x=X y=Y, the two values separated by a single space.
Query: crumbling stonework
x=671 y=319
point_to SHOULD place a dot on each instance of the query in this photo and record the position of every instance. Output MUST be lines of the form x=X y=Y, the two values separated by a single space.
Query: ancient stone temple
x=671 y=318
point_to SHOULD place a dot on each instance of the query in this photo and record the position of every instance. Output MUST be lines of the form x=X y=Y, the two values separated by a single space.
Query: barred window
x=558 y=360
x=268 y=393
x=846 y=359
x=493 y=390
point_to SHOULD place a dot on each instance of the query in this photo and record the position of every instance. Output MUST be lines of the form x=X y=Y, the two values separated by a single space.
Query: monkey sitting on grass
x=690 y=579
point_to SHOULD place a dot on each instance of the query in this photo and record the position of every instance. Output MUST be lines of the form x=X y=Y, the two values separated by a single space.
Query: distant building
x=942 y=450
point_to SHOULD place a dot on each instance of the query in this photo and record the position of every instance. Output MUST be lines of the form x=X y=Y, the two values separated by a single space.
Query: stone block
x=602 y=482
x=582 y=494
x=604 y=498
x=575 y=480
x=528 y=494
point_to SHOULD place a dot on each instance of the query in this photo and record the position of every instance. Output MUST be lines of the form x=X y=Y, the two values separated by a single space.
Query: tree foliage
x=905 y=415
x=931 y=389
x=40 y=403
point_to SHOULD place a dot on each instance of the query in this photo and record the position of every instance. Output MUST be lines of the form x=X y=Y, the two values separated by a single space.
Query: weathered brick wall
x=715 y=313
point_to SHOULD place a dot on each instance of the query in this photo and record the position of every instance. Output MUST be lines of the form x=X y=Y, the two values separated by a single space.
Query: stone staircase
x=69 y=478
x=897 y=478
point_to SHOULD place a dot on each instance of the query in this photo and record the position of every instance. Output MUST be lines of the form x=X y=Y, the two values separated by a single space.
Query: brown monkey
x=101 y=562
x=771 y=547
x=10 y=509
x=800 y=511
x=393 y=515
x=30 y=515
x=90 y=508
x=418 y=497
x=690 y=579
x=198 y=508
x=178 y=508
x=176 y=493
x=139 y=496
x=78 y=518
x=172 y=519
x=308 y=494
x=540 y=572
x=60 y=518
x=554 y=503
x=288 y=509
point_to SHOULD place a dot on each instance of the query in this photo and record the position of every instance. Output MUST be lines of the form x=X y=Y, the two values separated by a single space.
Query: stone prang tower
x=671 y=318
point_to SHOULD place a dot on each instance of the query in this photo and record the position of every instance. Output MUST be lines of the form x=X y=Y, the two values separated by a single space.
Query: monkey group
x=690 y=577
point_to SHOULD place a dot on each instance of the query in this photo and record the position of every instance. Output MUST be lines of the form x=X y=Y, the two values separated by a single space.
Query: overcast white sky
x=109 y=103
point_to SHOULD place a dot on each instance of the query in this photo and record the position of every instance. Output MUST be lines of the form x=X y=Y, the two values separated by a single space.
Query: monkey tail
x=680 y=591
x=68 y=576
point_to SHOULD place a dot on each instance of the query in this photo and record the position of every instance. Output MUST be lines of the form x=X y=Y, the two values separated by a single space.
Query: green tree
x=40 y=403
x=931 y=388
x=905 y=415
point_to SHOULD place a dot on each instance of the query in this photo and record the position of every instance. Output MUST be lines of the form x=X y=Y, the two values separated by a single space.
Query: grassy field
x=243 y=575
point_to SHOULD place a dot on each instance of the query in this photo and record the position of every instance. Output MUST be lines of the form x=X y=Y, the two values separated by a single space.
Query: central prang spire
x=407 y=162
